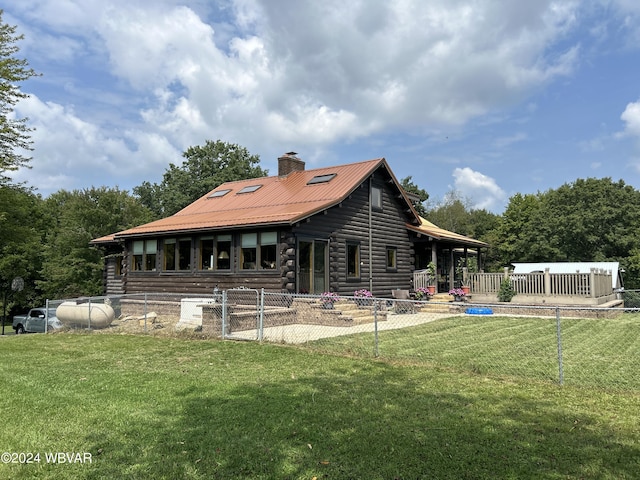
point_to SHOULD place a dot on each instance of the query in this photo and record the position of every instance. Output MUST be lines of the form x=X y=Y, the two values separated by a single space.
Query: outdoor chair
x=402 y=301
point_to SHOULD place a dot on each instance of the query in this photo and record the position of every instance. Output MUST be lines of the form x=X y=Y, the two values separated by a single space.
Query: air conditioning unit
x=191 y=312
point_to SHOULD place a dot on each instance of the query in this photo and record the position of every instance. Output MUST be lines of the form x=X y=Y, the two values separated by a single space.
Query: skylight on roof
x=249 y=189
x=321 y=178
x=219 y=193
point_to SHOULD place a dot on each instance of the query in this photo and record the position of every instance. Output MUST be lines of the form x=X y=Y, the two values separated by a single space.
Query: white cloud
x=68 y=148
x=161 y=76
x=631 y=118
x=483 y=191
x=391 y=66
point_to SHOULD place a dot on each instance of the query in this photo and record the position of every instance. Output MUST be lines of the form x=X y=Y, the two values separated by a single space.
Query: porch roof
x=432 y=230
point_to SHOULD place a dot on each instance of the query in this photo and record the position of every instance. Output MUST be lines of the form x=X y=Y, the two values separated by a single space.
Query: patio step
x=434 y=308
x=351 y=309
x=359 y=315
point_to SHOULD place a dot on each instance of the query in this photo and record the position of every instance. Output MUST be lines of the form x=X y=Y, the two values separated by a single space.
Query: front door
x=312 y=266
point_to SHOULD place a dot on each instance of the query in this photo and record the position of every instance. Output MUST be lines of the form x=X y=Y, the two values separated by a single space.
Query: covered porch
x=451 y=253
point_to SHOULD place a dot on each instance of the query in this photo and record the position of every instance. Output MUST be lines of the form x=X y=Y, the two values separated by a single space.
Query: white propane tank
x=87 y=315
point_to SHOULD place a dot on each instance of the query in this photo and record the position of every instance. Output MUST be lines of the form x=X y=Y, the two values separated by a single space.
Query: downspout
x=370 y=234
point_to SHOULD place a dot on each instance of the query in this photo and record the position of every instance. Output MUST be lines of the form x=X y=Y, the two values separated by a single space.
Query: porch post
x=434 y=259
x=547 y=282
x=452 y=269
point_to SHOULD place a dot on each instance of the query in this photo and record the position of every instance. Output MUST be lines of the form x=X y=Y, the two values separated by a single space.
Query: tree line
x=46 y=241
x=587 y=220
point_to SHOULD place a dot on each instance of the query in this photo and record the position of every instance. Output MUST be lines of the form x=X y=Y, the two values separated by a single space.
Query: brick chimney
x=288 y=163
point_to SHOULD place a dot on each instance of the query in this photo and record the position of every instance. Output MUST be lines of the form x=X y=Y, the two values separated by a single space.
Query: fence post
x=261 y=326
x=224 y=313
x=145 y=312
x=375 y=323
x=559 y=336
x=46 y=317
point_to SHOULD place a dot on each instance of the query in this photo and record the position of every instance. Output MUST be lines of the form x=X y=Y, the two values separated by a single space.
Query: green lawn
x=163 y=408
x=601 y=353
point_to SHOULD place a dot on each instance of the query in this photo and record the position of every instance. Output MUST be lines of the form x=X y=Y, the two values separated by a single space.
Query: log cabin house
x=339 y=229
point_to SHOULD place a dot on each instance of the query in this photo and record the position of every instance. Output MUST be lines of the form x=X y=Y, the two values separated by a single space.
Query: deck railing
x=595 y=284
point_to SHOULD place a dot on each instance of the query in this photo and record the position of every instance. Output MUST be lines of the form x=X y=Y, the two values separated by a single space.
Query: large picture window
x=258 y=251
x=169 y=254
x=248 y=251
x=268 y=250
x=176 y=254
x=144 y=255
x=353 y=260
x=184 y=254
x=215 y=253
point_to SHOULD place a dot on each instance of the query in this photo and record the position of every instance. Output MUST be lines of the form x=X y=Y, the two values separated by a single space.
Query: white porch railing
x=538 y=287
x=421 y=279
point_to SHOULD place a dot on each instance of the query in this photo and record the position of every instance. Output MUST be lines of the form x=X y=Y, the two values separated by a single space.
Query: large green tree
x=21 y=234
x=71 y=267
x=205 y=168
x=519 y=234
x=452 y=213
x=456 y=214
x=416 y=194
x=593 y=219
x=586 y=220
x=14 y=132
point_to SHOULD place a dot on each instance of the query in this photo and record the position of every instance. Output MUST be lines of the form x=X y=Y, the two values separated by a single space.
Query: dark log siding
x=350 y=222
x=112 y=280
x=347 y=222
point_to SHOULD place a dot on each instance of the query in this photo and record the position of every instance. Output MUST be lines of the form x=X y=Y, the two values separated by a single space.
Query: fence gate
x=242 y=314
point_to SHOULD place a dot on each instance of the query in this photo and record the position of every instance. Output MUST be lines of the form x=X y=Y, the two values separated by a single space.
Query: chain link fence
x=631 y=298
x=591 y=347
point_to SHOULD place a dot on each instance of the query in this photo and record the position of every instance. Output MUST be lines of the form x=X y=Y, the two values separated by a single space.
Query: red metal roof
x=279 y=200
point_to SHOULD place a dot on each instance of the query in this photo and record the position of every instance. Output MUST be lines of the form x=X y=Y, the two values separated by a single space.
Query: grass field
x=147 y=407
x=600 y=353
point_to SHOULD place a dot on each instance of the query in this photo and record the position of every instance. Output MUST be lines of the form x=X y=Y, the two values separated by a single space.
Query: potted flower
x=457 y=294
x=431 y=277
x=328 y=299
x=423 y=293
x=363 y=297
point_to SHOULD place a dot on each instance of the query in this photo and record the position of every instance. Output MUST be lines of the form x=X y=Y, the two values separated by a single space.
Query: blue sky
x=486 y=98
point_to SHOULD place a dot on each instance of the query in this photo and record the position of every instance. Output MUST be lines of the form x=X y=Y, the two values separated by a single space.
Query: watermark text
x=46 y=457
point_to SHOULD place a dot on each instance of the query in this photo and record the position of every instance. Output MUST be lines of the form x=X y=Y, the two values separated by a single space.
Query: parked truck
x=34 y=321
